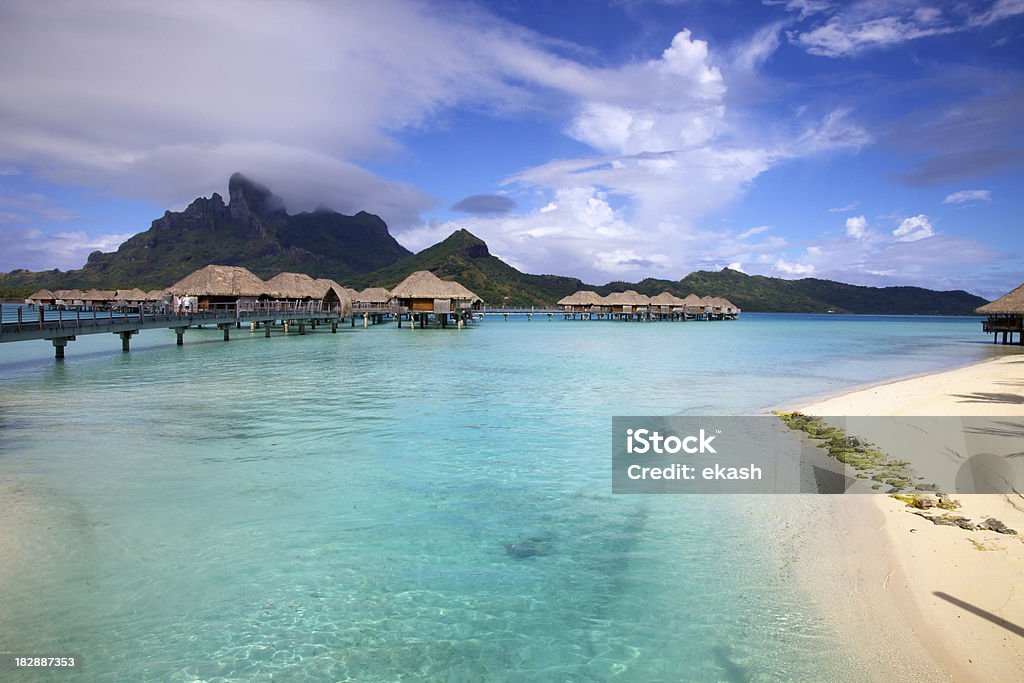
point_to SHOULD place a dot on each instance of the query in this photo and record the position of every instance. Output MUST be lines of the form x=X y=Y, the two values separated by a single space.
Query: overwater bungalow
x=1006 y=316
x=423 y=295
x=97 y=297
x=68 y=297
x=43 y=297
x=667 y=305
x=627 y=305
x=334 y=297
x=729 y=310
x=221 y=287
x=130 y=296
x=300 y=291
x=583 y=302
x=290 y=287
x=371 y=299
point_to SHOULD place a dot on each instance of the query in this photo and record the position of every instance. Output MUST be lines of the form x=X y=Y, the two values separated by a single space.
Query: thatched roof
x=1008 y=304
x=130 y=295
x=372 y=295
x=324 y=288
x=628 y=298
x=425 y=285
x=293 y=286
x=220 y=281
x=68 y=294
x=155 y=295
x=97 y=295
x=42 y=295
x=666 y=299
x=693 y=301
x=584 y=297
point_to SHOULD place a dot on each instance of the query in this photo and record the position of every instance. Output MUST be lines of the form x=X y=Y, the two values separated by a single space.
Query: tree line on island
x=254 y=231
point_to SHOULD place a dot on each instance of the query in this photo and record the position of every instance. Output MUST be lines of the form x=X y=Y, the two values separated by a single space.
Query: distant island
x=253 y=230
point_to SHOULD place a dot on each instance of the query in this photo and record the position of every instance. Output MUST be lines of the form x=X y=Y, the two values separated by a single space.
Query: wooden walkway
x=63 y=326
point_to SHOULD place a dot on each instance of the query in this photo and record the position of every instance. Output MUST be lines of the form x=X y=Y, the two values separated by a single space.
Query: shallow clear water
x=390 y=504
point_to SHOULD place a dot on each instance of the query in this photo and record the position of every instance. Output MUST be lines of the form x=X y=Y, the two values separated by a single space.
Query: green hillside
x=465 y=257
x=251 y=230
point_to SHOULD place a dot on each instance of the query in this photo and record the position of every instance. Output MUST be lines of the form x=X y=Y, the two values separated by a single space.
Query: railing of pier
x=20 y=318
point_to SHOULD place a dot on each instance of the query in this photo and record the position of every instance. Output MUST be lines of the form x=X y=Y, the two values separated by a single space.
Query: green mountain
x=465 y=257
x=251 y=230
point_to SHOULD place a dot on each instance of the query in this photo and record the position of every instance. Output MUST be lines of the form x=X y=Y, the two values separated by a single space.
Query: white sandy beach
x=919 y=600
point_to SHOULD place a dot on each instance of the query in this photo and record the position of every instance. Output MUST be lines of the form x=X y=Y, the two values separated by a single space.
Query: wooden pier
x=61 y=326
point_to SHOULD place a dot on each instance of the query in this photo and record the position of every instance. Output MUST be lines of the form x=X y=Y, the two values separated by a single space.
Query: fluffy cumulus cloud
x=857 y=227
x=968 y=197
x=913 y=229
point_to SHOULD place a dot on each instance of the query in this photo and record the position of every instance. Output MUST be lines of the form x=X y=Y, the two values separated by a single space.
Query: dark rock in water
x=993 y=524
x=964 y=523
x=923 y=502
x=530 y=547
x=734 y=673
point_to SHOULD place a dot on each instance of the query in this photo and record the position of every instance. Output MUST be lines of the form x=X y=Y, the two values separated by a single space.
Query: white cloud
x=842 y=209
x=913 y=229
x=805 y=8
x=33 y=249
x=123 y=107
x=147 y=100
x=749 y=56
x=854 y=28
x=31 y=207
x=1001 y=9
x=793 y=268
x=746 y=234
x=736 y=265
x=968 y=197
x=857 y=227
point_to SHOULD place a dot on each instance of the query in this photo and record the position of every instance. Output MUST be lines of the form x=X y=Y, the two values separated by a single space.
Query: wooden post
x=58 y=346
x=227 y=333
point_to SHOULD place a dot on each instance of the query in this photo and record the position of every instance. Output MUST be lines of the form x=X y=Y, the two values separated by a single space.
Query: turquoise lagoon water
x=396 y=504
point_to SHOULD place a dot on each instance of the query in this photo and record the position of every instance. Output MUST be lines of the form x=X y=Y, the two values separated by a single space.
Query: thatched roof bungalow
x=133 y=296
x=424 y=292
x=43 y=297
x=666 y=302
x=1008 y=304
x=68 y=297
x=289 y=286
x=729 y=308
x=627 y=302
x=1006 y=315
x=581 y=301
x=333 y=297
x=371 y=298
x=693 y=302
x=98 y=297
x=220 y=285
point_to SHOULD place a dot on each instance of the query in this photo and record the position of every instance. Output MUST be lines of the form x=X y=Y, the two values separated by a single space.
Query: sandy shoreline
x=917 y=600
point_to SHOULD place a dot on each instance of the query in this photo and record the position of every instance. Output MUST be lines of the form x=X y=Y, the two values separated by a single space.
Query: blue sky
x=871 y=142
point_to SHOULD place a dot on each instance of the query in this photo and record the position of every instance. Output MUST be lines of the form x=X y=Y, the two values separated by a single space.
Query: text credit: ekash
x=678 y=454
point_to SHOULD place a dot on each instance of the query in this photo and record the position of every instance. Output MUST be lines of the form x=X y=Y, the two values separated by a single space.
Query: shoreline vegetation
x=942 y=600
